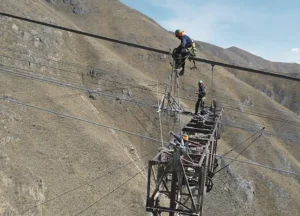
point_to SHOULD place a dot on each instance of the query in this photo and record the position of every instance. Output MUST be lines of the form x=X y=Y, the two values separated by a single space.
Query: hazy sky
x=267 y=28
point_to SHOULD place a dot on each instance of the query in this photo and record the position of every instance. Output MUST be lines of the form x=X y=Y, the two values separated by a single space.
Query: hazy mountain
x=52 y=164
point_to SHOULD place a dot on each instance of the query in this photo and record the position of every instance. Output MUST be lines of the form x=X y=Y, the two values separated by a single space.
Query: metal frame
x=179 y=177
x=168 y=102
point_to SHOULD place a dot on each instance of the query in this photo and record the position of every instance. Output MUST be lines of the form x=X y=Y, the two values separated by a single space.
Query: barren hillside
x=61 y=89
x=242 y=57
x=284 y=92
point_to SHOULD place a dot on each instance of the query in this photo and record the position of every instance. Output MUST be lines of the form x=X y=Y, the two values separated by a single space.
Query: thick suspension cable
x=279 y=75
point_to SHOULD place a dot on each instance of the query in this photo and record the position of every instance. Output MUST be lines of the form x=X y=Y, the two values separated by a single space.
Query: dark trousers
x=198 y=104
x=181 y=55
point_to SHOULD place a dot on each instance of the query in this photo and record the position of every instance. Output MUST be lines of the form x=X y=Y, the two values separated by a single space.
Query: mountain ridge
x=52 y=165
x=246 y=58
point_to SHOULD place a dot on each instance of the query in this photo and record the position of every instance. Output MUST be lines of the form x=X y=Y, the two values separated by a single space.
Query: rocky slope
x=284 y=92
x=241 y=57
x=55 y=165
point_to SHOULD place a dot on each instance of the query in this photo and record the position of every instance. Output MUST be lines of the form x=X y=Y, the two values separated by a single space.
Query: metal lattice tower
x=179 y=176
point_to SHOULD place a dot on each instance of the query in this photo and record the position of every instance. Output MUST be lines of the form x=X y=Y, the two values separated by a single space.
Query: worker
x=186 y=49
x=184 y=137
x=201 y=96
